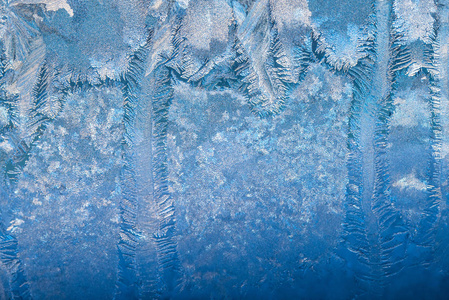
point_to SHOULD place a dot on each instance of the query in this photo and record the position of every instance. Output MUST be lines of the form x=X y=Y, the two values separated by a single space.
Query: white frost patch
x=443 y=49
x=183 y=3
x=54 y=5
x=54 y=165
x=36 y=201
x=410 y=182
x=290 y=13
x=6 y=146
x=62 y=131
x=445 y=150
x=207 y=22
x=3 y=116
x=82 y=212
x=410 y=112
x=415 y=16
x=50 y=5
x=115 y=219
x=14 y=224
x=218 y=138
x=106 y=67
x=157 y=4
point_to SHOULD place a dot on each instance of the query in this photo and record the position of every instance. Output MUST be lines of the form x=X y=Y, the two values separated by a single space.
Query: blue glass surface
x=224 y=149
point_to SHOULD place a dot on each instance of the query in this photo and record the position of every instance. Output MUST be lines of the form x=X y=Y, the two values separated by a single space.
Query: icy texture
x=225 y=149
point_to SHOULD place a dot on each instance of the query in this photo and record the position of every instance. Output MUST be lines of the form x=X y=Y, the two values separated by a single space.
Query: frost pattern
x=224 y=149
